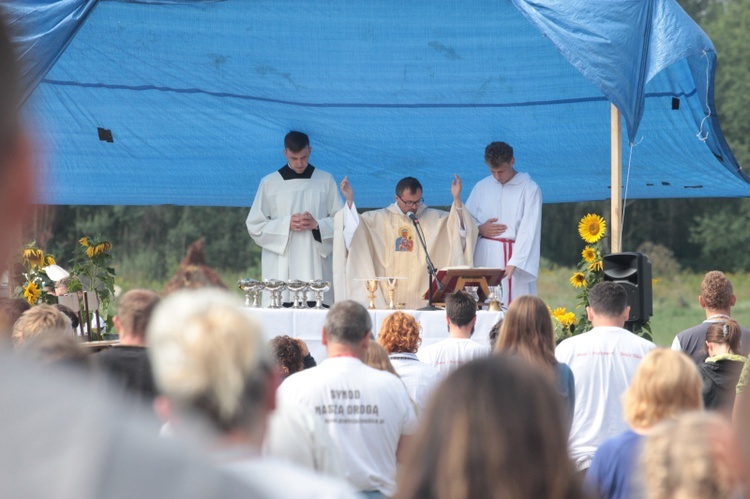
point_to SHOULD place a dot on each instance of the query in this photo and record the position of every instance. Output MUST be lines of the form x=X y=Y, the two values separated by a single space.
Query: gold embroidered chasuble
x=385 y=244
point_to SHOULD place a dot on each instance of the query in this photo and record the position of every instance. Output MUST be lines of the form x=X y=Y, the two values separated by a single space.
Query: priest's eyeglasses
x=413 y=204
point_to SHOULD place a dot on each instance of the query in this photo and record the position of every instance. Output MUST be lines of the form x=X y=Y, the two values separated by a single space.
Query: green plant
x=589 y=272
x=92 y=271
x=35 y=281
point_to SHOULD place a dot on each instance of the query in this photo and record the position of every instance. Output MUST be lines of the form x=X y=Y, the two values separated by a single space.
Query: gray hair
x=347 y=322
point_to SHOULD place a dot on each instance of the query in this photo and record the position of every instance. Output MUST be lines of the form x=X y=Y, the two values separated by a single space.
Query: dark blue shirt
x=613 y=467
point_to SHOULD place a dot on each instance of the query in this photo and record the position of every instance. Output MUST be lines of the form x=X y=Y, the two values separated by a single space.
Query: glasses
x=411 y=203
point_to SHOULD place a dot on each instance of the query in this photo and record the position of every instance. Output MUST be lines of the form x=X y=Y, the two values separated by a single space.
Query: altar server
x=507 y=207
x=291 y=218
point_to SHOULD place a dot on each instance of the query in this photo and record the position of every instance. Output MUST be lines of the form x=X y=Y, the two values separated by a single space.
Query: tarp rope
x=700 y=133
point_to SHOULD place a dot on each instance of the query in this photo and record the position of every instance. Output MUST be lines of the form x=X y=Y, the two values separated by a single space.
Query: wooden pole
x=615 y=235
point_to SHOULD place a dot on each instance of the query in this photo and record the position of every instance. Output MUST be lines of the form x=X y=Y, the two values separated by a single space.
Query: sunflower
x=596 y=266
x=91 y=251
x=592 y=228
x=49 y=260
x=569 y=319
x=559 y=312
x=578 y=280
x=29 y=253
x=84 y=241
x=589 y=254
x=31 y=292
x=33 y=256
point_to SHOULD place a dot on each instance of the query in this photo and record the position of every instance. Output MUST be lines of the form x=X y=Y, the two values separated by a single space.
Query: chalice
x=392 y=283
x=275 y=287
x=319 y=287
x=258 y=288
x=247 y=286
x=372 y=286
x=297 y=286
x=494 y=298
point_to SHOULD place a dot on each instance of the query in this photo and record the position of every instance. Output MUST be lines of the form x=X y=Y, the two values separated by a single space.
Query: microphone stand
x=431 y=270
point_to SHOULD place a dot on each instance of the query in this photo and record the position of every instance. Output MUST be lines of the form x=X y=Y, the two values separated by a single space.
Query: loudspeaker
x=633 y=272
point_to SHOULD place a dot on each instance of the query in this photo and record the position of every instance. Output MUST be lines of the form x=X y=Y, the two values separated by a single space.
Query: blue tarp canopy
x=187 y=102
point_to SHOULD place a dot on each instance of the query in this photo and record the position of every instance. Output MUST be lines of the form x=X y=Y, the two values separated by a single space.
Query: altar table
x=307 y=324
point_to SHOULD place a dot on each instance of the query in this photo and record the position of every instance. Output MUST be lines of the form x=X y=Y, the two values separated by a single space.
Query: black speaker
x=633 y=272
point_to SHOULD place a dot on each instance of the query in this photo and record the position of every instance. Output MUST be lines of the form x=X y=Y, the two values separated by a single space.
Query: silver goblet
x=298 y=287
x=275 y=287
x=319 y=287
x=248 y=286
x=258 y=288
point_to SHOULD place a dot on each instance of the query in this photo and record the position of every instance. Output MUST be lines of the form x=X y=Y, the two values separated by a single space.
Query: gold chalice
x=392 y=283
x=372 y=286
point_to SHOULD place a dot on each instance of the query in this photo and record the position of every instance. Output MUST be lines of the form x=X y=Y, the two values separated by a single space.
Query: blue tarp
x=198 y=95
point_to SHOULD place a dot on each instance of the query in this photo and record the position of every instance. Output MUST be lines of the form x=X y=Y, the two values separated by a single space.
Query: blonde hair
x=693 y=457
x=209 y=357
x=40 y=320
x=377 y=357
x=665 y=384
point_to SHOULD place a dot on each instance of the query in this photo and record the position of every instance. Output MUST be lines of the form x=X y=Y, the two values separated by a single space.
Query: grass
x=675 y=300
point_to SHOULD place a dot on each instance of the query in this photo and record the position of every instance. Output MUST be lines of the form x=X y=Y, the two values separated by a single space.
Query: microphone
x=413 y=217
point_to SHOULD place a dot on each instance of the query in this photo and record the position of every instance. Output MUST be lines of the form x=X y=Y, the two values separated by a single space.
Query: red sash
x=507 y=254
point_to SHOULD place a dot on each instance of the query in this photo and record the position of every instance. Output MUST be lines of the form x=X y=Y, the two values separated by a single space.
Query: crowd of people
x=195 y=402
x=604 y=414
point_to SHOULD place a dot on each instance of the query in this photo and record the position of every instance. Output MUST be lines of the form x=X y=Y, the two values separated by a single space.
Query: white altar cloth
x=308 y=324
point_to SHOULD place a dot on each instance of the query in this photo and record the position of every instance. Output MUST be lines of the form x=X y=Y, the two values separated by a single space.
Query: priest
x=384 y=243
x=507 y=207
x=292 y=216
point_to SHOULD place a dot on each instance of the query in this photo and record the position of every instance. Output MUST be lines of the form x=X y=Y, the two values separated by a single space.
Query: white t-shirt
x=419 y=378
x=295 y=434
x=603 y=362
x=447 y=355
x=282 y=479
x=366 y=412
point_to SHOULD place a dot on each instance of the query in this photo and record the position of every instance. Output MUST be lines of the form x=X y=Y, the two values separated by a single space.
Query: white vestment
x=384 y=243
x=517 y=204
x=288 y=254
